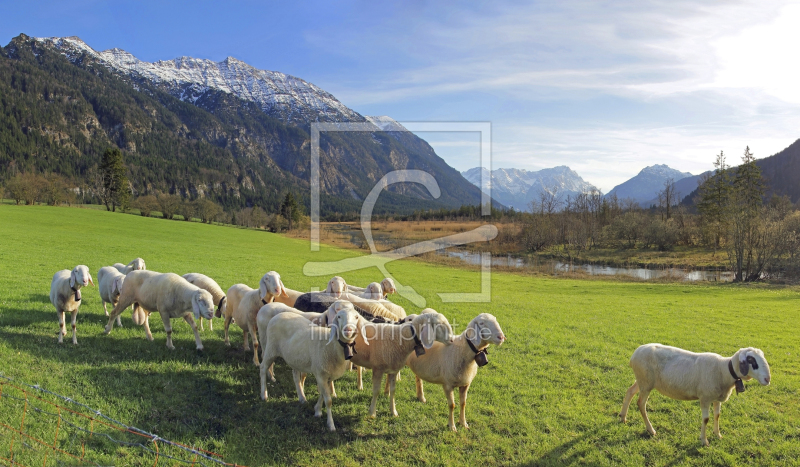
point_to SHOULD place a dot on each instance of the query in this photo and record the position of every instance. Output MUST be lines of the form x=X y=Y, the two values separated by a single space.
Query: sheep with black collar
x=683 y=375
x=65 y=295
x=311 y=349
x=455 y=366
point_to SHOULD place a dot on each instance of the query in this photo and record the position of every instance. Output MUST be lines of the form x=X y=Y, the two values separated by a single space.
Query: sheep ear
x=72 y=279
x=90 y=280
x=195 y=306
x=283 y=289
x=364 y=334
x=115 y=288
x=426 y=336
x=334 y=332
x=474 y=333
x=262 y=288
x=743 y=369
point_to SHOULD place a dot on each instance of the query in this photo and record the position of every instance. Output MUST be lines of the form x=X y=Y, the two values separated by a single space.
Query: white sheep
x=387 y=285
x=270 y=310
x=135 y=265
x=109 y=283
x=306 y=348
x=455 y=366
x=169 y=294
x=65 y=295
x=243 y=306
x=683 y=375
x=390 y=345
x=209 y=284
x=374 y=291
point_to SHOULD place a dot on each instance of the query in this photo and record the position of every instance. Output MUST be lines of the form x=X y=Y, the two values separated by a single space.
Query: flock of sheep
x=345 y=327
x=322 y=333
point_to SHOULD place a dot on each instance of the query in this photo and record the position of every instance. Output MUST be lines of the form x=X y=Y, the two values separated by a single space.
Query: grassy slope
x=549 y=396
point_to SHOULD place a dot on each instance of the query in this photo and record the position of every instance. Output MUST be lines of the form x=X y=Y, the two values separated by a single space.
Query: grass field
x=549 y=396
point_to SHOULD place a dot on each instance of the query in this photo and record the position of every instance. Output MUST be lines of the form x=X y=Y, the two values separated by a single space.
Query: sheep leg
x=332 y=390
x=104 y=308
x=210 y=324
x=189 y=319
x=451 y=404
x=75 y=327
x=377 y=379
x=643 y=395
x=462 y=415
x=118 y=309
x=323 y=383
x=717 y=410
x=704 y=405
x=246 y=345
x=168 y=328
x=360 y=377
x=62 y=330
x=390 y=379
x=119 y=318
x=420 y=390
x=386 y=386
x=226 y=326
x=147 y=327
x=299 y=383
x=623 y=414
x=201 y=324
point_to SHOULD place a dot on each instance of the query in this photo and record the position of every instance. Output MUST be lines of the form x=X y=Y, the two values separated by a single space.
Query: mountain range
x=517 y=188
x=644 y=187
x=223 y=130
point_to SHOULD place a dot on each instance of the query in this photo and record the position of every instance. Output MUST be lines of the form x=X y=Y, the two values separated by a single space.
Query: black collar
x=77 y=293
x=349 y=349
x=738 y=381
x=262 y=301
x=418 y=348
x=480 y=355
x=218 y=313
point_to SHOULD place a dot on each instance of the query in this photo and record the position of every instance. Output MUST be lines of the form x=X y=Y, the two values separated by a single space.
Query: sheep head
x=431 y=327
x=336 y=287
x=137 y=265
x=388 y=286
x=80 y=277
x=752 y=364
x=484 y=328
x=374 y=291
x=271 y=286
x=203 y=304
x=344 y=325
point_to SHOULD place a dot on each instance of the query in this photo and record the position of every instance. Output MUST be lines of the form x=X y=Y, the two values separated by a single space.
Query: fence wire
x=40 y=427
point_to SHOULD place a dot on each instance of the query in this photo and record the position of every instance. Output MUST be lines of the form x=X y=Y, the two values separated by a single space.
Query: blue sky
x=604 y=87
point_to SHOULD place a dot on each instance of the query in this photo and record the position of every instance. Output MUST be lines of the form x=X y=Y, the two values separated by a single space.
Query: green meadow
x=549 y=396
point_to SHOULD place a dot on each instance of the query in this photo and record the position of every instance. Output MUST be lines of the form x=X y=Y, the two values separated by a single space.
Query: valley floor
x=549 y=396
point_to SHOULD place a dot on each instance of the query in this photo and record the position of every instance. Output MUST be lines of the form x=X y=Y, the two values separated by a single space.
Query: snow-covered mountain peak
x=280 y=95
x=386 y=123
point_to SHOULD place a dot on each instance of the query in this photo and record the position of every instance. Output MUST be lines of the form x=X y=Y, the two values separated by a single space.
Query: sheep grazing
x=307 y=349
x=109 y=282
x=683 y=375
x=391 y=344
x=65 y=295
x=455 y=366
x=135 y=265
x=209 y=284
x=169 y=294
x=244 y=304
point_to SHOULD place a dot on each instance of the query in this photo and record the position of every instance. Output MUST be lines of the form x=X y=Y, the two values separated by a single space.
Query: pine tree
x=715 y=200
x=748 y=197
x=113 y=179
x=290 y=209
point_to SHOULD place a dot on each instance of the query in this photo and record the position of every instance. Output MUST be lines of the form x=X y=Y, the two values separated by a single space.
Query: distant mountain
x=518 y=187
x=198 y=128
x=781 y=173
x=644 y=187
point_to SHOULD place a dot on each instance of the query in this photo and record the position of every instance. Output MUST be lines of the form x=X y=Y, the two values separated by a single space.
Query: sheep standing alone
x=65 y=295
x=307 y=349
x=390 y=346
x=455 y=366
x=686 y=376
x=109 y=283
x=209 y=284
x=244 y=304
x=135 y=265
x=169 y=294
